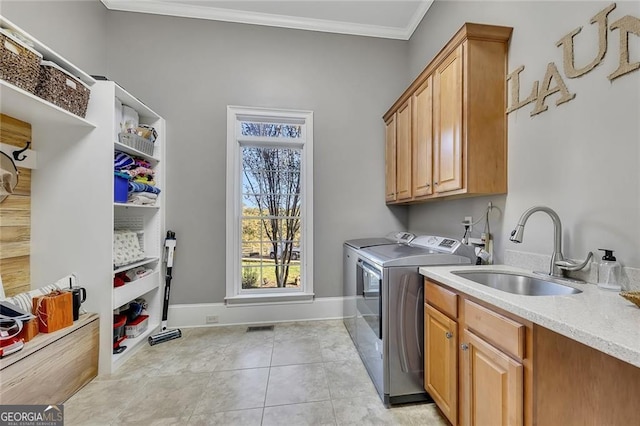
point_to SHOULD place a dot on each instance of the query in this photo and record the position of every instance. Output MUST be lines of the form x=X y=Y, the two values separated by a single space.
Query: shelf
x=144 y=112
x=135 y=289
x=136 y=206
x=26 y=106
x=131 y=344
x=142 y=262
x=126 y=148
x=48 y=54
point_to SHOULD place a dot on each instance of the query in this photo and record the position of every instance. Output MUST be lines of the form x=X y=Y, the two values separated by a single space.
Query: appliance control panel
x=442 y=244
x=401 y=237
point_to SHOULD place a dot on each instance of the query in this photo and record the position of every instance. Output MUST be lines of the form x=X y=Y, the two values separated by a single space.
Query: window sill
x=269 y=299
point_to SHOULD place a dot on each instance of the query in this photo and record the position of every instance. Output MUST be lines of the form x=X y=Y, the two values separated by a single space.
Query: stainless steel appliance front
x=384 y=311
x=389 y=331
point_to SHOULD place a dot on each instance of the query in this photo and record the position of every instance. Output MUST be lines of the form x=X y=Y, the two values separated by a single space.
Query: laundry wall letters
x=553 y=81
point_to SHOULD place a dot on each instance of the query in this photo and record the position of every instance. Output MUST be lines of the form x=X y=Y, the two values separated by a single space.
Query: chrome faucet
x=558 y=264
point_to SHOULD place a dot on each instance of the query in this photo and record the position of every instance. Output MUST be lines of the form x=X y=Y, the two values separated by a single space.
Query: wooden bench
x=53 y=366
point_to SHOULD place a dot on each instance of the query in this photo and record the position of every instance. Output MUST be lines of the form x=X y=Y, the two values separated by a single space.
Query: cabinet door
x=390 y=160
x=403 y=151
x=422 y=104
x=493 y=385
x=441 y=361
x=448 y=123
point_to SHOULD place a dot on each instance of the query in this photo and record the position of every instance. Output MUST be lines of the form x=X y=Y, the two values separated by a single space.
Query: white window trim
x=234 y=206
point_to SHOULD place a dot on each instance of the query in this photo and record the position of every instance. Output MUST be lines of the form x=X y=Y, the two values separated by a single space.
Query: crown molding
x=257 y=18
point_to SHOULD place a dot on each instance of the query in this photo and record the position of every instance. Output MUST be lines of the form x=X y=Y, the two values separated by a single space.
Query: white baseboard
x=195 y=315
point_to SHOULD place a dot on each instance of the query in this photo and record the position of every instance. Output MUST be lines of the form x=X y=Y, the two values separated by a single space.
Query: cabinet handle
x=427 y=185
x=448 y=335
x=464 y=346
x=435 y=183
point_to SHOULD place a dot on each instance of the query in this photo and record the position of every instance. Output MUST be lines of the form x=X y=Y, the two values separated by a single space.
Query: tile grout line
x=266 y=391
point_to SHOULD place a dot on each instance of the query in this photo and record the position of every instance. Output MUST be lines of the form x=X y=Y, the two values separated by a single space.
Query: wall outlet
x=211 y=319
x=468 y=220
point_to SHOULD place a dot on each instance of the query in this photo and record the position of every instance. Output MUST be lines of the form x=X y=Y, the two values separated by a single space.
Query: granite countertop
x=597 y=318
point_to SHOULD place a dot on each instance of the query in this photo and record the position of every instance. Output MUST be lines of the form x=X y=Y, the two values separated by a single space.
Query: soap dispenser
x=609 y=271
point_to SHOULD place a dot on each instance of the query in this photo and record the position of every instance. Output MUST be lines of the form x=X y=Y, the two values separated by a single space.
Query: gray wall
x=189 y=70
x=77 y=30
x=581 y=158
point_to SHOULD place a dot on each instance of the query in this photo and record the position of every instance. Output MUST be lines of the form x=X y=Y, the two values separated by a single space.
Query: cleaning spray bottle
x=609 y=271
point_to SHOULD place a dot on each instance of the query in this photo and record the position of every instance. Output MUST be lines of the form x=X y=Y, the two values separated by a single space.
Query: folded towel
x=145 y=180
x=141 y=200
x=142 y=163
x=122 y=174
x=141 y=171
x=142 y=187
x=122 y=161
x=149 y=195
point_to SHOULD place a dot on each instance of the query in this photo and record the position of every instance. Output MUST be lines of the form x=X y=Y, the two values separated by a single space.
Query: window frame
x=235 y=294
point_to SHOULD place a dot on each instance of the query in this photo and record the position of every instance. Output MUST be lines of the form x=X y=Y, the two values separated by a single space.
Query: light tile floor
x=300 y=373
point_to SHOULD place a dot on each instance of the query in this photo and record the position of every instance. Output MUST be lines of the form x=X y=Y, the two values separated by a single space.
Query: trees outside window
x=269 y=197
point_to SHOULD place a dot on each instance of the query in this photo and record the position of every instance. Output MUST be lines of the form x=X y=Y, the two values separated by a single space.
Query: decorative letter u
x=567 y=45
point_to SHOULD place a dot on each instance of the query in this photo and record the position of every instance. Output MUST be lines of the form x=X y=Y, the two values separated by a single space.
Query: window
x=269 y=205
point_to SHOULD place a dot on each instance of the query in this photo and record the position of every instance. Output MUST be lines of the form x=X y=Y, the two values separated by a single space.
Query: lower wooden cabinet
x=441 y=361
x=493 y=385
x=479 y=369
x=478 y=365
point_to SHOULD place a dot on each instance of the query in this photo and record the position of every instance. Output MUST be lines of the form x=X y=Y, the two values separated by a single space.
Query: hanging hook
x=16 y=153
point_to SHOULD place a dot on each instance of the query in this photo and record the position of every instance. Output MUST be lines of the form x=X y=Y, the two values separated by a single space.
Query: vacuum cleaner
x=166 y=335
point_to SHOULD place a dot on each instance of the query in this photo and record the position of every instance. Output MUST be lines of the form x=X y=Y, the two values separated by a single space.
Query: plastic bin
x=119 y=322
x=120 y=188
x=137 y=326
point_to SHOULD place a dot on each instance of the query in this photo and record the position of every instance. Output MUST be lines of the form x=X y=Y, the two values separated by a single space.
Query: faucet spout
x=518 y=233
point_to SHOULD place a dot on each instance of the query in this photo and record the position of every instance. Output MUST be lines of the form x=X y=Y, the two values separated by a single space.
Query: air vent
x=260 y=328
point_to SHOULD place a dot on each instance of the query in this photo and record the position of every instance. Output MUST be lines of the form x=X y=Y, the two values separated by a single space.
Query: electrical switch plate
x=211 y=319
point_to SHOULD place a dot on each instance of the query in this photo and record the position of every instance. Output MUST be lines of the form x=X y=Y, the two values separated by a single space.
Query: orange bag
x=54 y=311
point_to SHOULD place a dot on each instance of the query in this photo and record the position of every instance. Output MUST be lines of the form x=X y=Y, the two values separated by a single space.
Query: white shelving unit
x=147 y=221
x=72 y=205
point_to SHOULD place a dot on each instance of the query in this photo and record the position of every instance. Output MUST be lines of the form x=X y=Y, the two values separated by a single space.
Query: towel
x=142 y=198
x=122 y=161
x=141 y=171
x=145 y=179
x=142 y=187
x=149 y=195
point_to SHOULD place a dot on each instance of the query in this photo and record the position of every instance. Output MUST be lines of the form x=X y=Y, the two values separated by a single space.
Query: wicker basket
x=19 y=64
x=137 y=142
x=61 y=88
x=632 y=296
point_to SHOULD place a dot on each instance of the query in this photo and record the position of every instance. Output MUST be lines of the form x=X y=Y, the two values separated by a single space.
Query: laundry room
x=320 y=212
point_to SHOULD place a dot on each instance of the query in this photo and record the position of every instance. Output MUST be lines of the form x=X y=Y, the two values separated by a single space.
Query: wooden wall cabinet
x=478 y=362
x=390 y=160
x=398 y=155
x=447 y=111
x=458 y=137
x=422 y=140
